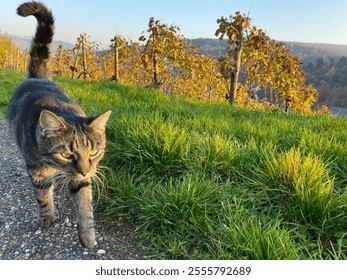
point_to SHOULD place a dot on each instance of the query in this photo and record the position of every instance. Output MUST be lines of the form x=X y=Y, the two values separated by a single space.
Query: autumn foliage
x=256 y=71
x=10 y=56
x=271 y=76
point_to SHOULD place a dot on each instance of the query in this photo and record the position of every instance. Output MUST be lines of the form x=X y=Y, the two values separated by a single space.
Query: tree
x=162 y=42
x=271 y=67
x=61 y=61
x=178 y=67
x=234 y=28
x=86 y=57
x=272 y=76
x=198 y=76
x=121 y=50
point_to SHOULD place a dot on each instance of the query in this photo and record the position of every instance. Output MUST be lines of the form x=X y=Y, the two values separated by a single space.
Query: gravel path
x=20 y=236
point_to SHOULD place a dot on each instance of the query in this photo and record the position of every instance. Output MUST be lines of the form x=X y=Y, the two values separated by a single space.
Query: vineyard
x=256 y=71
x=200 y=179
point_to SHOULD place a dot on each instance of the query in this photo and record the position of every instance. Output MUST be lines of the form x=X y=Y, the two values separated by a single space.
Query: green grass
x=210 y=181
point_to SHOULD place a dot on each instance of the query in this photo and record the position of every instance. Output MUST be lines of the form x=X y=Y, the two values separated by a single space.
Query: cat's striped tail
x=40 y=46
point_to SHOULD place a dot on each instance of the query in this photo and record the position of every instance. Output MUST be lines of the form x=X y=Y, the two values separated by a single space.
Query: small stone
x=47 y=257
x=101 y=252
x=85 y=253
x=58 y=256
x=37 y=232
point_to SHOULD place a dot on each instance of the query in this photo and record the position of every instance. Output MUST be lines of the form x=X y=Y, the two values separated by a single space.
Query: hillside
x=308 y=52
x=209 y=181
x=23 y=42
x=324 y=64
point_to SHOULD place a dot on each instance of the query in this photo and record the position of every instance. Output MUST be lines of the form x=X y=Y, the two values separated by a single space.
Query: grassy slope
x=218 y=182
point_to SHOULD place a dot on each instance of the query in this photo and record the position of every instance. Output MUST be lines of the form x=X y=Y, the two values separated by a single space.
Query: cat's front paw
x=46 y=221
x=87 y=237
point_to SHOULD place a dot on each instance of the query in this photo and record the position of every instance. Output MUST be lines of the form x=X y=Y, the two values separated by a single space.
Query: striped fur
x=60 y=144
x=40 y=47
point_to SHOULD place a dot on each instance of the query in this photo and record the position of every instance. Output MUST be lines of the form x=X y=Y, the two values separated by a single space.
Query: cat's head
x=72 y=146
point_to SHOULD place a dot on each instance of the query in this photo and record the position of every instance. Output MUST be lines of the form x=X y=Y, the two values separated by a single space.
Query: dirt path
x=20 y=236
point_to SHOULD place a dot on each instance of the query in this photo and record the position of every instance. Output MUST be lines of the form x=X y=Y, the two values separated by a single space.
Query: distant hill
x=23 y=42
x=308 y=52
x=210 y=47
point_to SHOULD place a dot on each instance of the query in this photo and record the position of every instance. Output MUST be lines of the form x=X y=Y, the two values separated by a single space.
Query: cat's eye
x=67 y=155
x=93 y=152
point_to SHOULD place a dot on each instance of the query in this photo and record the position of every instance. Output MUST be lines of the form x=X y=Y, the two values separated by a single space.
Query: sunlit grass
x=209 y=181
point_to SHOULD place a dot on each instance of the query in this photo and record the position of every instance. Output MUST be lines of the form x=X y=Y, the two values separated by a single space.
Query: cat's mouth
x=81 y=177
x=72 y=178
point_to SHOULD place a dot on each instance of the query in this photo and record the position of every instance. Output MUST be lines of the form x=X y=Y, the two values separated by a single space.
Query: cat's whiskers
x=61 y=180
x=100 y=181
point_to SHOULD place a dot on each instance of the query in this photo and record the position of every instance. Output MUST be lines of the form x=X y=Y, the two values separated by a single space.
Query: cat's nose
x=84 y=174
x=83 y=168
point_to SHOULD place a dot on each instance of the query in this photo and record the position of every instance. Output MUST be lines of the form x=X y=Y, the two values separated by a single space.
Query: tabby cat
x=60 y=144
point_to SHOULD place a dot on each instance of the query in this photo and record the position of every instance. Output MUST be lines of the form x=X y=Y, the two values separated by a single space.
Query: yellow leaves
x=11 y=56
x=269 y=68
x=272 y=67
x=232 y=27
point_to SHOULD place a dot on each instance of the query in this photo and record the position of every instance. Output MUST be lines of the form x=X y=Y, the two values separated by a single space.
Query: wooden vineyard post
x=25 y=66
x=74 y=67
x=104 y=67
x=61 y=50
x=11 y=58
x=6 y=59
x=17 y=60
x=115 y=46
x=116 y=70
x=156 y=71
x=84 y=60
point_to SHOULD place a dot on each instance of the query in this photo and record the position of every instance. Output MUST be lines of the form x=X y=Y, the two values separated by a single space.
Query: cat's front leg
x=43 y=190
x=82 y=198
x=44 y=199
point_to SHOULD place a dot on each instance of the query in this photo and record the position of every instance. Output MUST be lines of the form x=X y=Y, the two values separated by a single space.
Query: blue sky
x=290 y=20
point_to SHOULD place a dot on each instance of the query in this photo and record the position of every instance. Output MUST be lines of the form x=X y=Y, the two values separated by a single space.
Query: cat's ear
x=50 y=124
x=99 y=122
